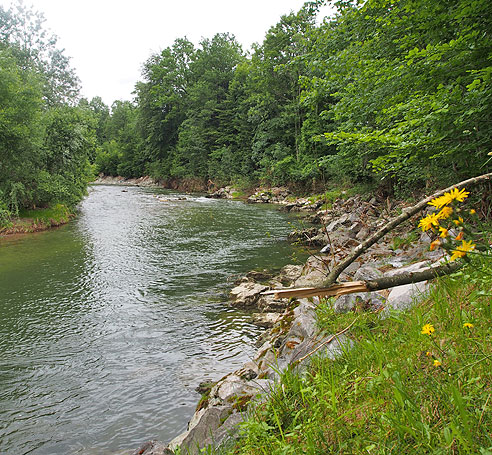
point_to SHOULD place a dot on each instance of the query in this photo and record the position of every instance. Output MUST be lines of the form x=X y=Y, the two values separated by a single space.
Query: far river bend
x=110 y=322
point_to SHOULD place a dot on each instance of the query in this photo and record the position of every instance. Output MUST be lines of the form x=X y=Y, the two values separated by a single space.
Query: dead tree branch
x=351 y=287
x=333 y=289
x=407 y=213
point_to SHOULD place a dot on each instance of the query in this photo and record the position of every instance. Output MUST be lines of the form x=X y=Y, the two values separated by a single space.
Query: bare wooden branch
x=407 y=213
x=351 y=287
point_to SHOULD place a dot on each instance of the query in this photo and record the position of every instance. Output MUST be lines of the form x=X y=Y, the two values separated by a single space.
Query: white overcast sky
x=109 y=40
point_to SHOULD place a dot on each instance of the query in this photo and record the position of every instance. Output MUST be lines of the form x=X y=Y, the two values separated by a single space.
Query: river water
x=110 y=322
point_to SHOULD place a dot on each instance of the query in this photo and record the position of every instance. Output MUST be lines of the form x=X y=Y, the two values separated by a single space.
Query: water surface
x=109 y=323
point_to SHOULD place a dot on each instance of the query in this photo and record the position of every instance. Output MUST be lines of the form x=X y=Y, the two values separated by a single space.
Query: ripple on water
x=108 y=324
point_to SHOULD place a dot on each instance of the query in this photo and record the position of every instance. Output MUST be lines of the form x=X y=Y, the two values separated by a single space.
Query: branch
x=407 y=213
x=351 y=287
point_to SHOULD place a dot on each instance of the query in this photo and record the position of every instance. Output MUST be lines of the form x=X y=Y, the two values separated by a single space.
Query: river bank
x=292 y=333
x=30 y=221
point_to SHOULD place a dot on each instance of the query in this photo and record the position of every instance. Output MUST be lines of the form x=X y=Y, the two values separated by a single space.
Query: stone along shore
x=291 y=336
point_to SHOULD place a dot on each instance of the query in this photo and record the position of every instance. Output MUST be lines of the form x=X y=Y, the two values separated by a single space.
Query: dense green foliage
x=394 y=92
x=45 y=140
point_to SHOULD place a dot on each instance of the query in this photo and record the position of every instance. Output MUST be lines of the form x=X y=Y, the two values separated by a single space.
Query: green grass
x=37 y=220
x=397 y=391
x=239 y=194
x=58 y=213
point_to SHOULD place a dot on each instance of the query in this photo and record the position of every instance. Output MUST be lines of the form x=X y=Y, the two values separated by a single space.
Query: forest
x=395 y=94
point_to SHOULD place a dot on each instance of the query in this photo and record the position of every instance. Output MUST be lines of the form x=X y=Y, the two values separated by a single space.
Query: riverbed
x=109 y=323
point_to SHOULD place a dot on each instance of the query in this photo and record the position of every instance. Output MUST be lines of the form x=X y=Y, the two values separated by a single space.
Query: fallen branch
x=351 y=287
x=407 y=213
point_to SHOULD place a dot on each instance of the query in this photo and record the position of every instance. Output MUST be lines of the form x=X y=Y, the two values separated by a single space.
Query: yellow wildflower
x=445 y=213
x=472 y=211
x=428 y=354
x=427 y=329
x=459 y=195
x=461 y=251
x=441 y=201
x=427 y=222
x=435 y=244
x=449 y=197
x=437 y=363
x=468 y=325
x=458 y=221
x=460 y=236
x=443 y=232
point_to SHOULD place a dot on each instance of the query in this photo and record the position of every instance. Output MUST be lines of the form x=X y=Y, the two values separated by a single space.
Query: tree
x=22 y=30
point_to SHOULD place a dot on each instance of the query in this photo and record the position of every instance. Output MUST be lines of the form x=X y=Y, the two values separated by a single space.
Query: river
x=110 y=322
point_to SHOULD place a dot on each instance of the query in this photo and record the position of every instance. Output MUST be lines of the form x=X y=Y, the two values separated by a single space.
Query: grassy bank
x=37 y=220
x=415 y=382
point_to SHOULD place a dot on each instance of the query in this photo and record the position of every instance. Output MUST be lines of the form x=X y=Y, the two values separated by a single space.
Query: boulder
x=369 y=301
x=289 y=273
x=265 y=320
x=269 y=304
x=313 y=273
x=210 y=420
x=153 y=448
x=402 y=297
x=246 y=294
x=228 y=431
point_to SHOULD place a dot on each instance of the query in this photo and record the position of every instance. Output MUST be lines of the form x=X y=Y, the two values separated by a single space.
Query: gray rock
x=269 y=304
x=367 y=272
x=362 y=234
x=289 y=273
x=352 y=268
x=153 y=448
x=209 y=422
x=233 y=386
x=227 y=432
x=370 y=301
x=246 y=294
x=304 y=324
x=319 y=346
x=403 y=297
x=314 y=272
x=266 y=320
x=418 y=266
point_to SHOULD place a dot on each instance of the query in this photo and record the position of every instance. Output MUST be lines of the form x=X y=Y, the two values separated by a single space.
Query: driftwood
x=331 y=288
x=351 y=287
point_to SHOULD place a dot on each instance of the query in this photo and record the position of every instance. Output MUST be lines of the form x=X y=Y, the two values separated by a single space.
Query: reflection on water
x=109 y=323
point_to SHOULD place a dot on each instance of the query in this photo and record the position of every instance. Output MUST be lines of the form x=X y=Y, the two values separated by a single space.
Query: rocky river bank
x=291 y=333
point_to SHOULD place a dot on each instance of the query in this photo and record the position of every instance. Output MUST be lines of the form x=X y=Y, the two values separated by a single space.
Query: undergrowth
x=37 y=219
x=418 y=382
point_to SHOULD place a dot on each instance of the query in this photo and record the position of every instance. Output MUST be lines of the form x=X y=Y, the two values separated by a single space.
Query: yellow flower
x=435 y=244
x=443 y=232
x=437 y=363
x=441 y=201
x=428 y=354
x=468 y=325
x=460 y=236
x=449 y=197
x=461 y=251
x=445 y=213
x=458 y=221
x=427 y=329
x=427 y=222
x=459 y=195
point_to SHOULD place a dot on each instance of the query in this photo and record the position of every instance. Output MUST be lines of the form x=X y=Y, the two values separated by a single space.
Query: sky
x=109 y=40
